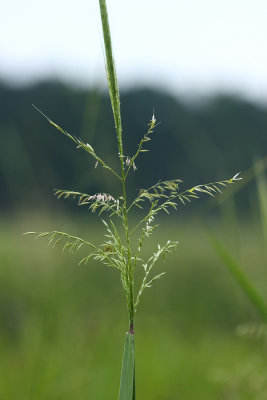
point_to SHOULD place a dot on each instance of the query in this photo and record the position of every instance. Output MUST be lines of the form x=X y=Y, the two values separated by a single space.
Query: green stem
x=115 y=103
x=129 y=259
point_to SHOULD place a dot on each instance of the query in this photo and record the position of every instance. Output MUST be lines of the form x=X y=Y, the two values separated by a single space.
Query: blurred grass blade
x=127 y=386
x=238 y=274
x=262 y=196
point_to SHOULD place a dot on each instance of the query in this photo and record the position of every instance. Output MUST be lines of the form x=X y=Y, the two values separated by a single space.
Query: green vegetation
x=59 y=332
x=202 y=333
x=119 y=250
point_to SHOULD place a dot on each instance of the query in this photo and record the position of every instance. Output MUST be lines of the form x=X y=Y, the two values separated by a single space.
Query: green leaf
x=111 y=73
x=239 y=275
x=127 y=386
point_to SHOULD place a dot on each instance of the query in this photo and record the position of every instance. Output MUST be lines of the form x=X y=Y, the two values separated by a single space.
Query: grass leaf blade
x=239 y=275
x=127 y=385
x=111 y=73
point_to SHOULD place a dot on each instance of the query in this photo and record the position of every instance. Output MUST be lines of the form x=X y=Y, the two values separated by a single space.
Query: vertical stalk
x=129 y=265
x=127 y=385
x=115 y=103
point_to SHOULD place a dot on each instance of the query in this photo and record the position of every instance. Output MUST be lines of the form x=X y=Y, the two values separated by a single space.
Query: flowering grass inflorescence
x=124 y=251
x=117 y=251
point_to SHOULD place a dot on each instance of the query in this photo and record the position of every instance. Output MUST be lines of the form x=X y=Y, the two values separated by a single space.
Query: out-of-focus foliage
x=196 y=141
x=57 y=321
x=62 y=325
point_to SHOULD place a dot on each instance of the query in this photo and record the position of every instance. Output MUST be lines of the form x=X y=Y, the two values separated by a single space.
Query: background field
x=62 y=326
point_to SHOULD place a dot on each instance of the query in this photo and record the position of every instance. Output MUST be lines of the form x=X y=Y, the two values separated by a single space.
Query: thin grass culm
x=124 y=251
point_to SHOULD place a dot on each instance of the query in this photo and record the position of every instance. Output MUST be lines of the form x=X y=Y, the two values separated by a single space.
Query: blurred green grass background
x=62 y=326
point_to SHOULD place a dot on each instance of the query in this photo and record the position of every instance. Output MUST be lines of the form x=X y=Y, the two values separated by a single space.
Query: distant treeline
x=195 y=141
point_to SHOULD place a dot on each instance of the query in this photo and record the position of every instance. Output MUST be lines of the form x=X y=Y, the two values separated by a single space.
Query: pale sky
x=188 y=46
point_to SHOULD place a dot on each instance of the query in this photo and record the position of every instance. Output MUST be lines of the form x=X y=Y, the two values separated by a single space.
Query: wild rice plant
x=122 y=251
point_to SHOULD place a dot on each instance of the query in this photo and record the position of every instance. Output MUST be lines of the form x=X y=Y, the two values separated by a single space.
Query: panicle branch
x=80 y=144
x=162 y=251
x=130 y=162
x=165 y=195
x=101 y=202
